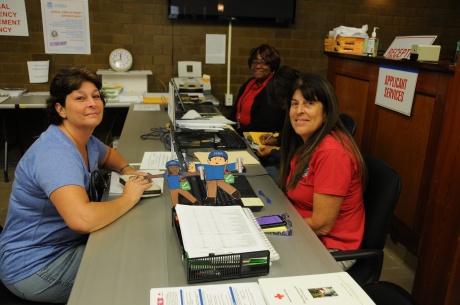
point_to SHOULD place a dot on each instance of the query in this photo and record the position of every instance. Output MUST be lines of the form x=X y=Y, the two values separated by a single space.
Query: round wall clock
x=120 y=60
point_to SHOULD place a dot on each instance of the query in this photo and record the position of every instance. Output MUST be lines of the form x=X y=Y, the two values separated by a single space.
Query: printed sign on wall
x=66 y=26
x=13 y=18
x=396 y=88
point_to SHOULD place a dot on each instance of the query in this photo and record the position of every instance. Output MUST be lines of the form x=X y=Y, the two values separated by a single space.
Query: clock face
x=120 y=60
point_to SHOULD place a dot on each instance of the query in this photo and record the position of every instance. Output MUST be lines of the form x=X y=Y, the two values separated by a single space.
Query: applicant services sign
x=396 y=88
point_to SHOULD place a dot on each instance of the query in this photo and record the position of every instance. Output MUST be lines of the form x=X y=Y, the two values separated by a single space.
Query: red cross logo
x=279 y=296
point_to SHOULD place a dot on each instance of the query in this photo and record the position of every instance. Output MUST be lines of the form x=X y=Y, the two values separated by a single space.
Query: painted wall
x=157 y=43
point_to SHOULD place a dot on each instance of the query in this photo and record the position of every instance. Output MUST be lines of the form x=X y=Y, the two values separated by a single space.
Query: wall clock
x=120 y=60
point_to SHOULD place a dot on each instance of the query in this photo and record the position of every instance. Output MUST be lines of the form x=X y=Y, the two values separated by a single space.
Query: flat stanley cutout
x=217 y=174
x=176 y=182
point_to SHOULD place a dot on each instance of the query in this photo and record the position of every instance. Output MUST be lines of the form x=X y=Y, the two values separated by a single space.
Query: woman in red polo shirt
x=322 y=171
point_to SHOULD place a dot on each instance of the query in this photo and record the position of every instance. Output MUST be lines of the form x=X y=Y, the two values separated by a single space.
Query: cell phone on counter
x=271 y=221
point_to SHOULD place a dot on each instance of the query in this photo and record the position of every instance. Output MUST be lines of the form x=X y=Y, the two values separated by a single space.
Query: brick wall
x=157 y=43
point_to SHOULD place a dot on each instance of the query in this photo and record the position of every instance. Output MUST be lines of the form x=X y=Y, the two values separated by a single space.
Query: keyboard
x=225 y=139
x=198 y=190
x=230 y=139
x=200 y=108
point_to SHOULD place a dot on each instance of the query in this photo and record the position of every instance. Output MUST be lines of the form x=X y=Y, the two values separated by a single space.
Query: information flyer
x=66 y=27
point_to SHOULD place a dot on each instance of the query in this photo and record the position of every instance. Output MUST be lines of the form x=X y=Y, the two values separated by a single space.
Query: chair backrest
x=349 y=122
x=380 y=198
x=386 y=293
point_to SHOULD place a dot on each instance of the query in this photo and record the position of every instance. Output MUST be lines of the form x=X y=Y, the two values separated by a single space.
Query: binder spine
x=273 y=254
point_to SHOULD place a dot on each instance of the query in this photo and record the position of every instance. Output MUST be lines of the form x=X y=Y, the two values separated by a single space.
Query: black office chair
x=380 y=197
x=349 y=122
x=8 y=298
x=386 y=293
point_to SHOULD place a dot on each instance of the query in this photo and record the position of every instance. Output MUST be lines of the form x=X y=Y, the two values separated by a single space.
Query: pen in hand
x=270 y=136
x=263 y=195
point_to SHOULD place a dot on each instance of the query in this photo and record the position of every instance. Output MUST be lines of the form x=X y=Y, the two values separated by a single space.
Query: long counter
x=140 y=250
x=423 y=148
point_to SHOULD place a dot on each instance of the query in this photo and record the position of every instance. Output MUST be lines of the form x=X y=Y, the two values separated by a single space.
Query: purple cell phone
x=271 y=221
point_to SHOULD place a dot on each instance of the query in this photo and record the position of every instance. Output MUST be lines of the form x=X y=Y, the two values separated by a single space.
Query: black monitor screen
x=266 y=11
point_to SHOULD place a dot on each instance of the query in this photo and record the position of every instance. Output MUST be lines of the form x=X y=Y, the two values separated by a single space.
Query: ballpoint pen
x=263 y=195
x=270 y=136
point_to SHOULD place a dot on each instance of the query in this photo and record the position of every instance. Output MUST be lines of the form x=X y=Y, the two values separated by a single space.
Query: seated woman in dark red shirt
x=252 y=111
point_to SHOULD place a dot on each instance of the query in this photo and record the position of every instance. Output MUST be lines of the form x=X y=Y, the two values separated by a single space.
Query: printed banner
x=13 y=18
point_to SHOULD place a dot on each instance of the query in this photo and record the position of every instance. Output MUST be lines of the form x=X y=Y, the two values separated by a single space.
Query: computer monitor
x=172 y=106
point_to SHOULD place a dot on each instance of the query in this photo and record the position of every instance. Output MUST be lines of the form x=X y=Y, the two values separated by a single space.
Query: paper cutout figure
x=177 y=183
x=215 y=172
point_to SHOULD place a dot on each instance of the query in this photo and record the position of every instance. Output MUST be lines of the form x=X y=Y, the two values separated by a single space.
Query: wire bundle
x=159 y=133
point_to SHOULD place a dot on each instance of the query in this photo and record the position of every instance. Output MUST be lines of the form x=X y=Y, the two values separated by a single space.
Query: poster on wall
x=396 y=88
x=215 y=48
x=13 y=18
x=66 y=26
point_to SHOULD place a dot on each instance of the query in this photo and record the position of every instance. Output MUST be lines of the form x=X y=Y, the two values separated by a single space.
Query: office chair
x=8 y=298
x=386 y=293
x=380 y=197
x=349 y=122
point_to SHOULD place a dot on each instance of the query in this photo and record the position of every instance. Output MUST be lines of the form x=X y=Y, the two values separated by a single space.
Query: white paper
x=330 y=288
x=38 y=71
x=14 y=18
x=215 y=48
x=219 y=294
x=214 y=122
x=156 y=160
x=191 y=114
x=146 y=107
x=3 y=98
x=217 y=230
x=66 y=27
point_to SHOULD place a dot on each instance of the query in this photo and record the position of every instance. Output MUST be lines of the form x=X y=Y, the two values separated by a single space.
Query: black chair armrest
x=356 y=254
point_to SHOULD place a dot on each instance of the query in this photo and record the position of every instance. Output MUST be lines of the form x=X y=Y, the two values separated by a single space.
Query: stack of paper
x=12 y=91
x=112 y=92
x=330 y=288
x=204 y=124
x=211 y=229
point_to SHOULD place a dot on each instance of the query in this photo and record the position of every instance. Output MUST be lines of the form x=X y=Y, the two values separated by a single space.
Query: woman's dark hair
x=65 y=82
x=280 y=85
x=314 y=88
x=267 y=53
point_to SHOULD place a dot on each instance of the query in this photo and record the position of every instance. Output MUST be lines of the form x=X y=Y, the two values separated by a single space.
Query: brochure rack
x=225 y=266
